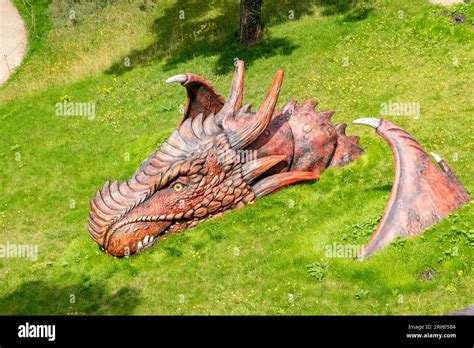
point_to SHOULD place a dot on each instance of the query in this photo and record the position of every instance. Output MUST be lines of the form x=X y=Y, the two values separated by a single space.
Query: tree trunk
x=251 y=29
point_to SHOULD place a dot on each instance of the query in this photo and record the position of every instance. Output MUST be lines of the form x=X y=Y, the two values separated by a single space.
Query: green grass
x=264 y=259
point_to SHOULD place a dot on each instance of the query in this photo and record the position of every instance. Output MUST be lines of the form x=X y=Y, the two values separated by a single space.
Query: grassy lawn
x=351 y=58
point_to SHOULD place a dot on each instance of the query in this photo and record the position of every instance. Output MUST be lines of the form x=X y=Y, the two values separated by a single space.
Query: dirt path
x=12 y=39
x=447 y=2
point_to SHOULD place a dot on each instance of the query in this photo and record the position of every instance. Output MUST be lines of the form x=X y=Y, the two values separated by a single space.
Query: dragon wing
x=422 y=192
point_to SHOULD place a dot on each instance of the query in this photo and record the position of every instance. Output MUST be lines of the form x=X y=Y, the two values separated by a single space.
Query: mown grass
x=251 y=261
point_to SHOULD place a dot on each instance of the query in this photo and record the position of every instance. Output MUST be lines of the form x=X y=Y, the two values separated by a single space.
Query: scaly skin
x=221 y=157
x=423 y=192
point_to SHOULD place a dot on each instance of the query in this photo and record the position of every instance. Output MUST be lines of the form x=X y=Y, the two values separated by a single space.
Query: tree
x=250 y=27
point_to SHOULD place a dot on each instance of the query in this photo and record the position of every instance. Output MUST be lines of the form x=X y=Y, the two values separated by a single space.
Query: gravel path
x=12 y=39
x=447 y=2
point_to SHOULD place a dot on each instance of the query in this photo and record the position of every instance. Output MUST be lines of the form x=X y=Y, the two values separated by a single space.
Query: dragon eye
x=177 y=186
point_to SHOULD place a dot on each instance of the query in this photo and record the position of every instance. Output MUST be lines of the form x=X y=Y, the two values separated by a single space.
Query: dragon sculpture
x=223 y=156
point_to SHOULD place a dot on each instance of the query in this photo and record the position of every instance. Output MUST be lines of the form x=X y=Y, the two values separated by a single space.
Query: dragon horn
x=234 y=100
x=181 y=78
x=240 y=137
x=201 y=97
x=253 y=169
x=278 y=181
x=422 y=192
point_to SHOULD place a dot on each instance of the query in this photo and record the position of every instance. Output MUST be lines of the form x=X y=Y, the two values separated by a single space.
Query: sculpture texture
x=422 y=192
x=222 y=156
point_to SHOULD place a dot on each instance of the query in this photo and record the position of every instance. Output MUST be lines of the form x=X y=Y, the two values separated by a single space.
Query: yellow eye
x=177 y=186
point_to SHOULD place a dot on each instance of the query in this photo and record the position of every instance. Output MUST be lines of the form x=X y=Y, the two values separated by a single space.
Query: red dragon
x=223 y=156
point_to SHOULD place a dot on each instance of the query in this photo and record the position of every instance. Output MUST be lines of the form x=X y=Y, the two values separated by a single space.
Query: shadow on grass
x=382 y=188
x=190 y=29
x=39 y=298
x=354 y=9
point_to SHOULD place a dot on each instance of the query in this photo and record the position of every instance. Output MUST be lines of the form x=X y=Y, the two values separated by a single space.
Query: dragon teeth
x=145 y=243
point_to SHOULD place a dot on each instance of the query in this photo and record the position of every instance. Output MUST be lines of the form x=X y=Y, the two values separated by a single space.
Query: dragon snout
x=134 y=237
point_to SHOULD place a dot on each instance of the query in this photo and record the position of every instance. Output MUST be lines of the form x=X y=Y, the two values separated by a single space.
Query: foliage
x=318 y=269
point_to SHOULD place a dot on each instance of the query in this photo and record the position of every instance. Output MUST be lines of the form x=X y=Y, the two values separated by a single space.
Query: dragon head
x=196 y=174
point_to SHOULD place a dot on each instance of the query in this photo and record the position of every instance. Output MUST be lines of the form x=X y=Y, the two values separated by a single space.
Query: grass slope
x=351 y=58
